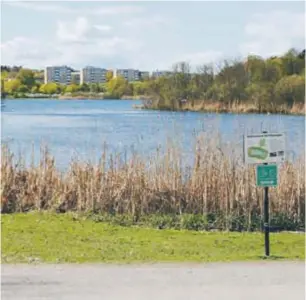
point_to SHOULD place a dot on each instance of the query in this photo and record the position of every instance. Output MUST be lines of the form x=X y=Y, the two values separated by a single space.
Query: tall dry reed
x=243 y=108
x=218 y=186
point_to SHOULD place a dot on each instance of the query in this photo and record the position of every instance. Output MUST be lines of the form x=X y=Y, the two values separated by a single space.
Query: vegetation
x=17 y=82
x=54 y=238
x=217 y=192
x=275 y=84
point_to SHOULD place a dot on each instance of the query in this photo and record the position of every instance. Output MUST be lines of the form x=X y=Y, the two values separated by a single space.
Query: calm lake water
x=77 y=128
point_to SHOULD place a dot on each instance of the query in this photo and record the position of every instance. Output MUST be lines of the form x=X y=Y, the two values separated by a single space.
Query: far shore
x=200 y=106
x=74 y=97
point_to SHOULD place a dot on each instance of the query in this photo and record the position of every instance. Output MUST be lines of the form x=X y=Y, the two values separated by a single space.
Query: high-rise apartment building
x=75 y=77
x=93 y=75
x=157 y=73
x=127 y=74
x=58 y=74
x=144 y=75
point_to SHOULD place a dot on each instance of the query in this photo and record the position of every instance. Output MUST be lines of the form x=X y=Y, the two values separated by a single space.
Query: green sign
x=266 y=175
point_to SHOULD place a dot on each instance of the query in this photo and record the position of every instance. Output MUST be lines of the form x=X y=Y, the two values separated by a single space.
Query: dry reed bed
x=218 y=185
x=243 y=108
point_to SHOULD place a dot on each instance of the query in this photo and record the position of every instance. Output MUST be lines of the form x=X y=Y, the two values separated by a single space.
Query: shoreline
x=216 y=108
x=219 y=108
x=75 y=97
x=234 y=112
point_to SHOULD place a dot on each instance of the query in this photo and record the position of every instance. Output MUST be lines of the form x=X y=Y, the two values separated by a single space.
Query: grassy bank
x=45 y=237
x=218 y=190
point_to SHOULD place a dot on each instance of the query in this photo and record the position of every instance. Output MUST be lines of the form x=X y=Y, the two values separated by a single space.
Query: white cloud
x=75 y=43
x=39 y=6
x=80 y=31
x=104 y=28
x=116 y=10
x=273 y=33
x=73 y=31
x=147 y=21
x=25 y=51
x=60 y=9
x=82 y=42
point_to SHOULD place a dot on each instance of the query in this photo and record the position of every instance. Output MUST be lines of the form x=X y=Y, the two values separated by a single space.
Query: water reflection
x=80 y=128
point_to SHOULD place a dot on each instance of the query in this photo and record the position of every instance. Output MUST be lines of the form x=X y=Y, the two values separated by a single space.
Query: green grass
x=59 y=238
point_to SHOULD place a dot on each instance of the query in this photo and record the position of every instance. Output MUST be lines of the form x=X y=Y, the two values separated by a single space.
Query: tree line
x=263 y=82
x=277 y=80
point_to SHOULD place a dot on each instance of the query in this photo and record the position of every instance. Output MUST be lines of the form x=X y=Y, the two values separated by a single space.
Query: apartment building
x=76 y=77
x=127 y=74
x=58 y=74
x=157 y=73
x=93 y=75
x=144 y=75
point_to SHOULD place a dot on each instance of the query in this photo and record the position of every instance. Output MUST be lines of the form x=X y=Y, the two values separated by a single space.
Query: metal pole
x=266 y=218
x=266 y=221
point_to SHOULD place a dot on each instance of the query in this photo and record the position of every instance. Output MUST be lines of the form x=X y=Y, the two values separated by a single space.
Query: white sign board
x=264 y=148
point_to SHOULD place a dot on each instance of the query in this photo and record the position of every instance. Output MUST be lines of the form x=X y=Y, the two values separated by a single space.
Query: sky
x=146 y=35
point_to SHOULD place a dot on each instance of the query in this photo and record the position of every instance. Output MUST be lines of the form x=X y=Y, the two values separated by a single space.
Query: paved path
x=245 y=281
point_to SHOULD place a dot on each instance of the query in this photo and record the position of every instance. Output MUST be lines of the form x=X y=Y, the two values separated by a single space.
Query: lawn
x=62 y=238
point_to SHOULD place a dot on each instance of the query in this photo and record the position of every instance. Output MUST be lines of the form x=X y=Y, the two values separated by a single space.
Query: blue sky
x=146 y=35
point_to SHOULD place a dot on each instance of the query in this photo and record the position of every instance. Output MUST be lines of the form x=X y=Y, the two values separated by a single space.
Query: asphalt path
x=245 y=281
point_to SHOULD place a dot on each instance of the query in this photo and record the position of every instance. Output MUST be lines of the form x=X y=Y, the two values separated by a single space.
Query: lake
x=79 y=128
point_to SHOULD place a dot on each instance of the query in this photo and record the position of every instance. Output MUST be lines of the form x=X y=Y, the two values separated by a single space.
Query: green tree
x=293 y=63
x=26 y=77
x=2 y=89
x=273 y=69
x=255 y=68
x=61 y=88
x=261 y=94
x=23 y=89
x=94 y=88
x=84 y=87
x=35 y=89
x=202 y=81
x=12 y=86
x=109 y=75
x=4 y=75
x=290 y=89
x=233 y=78
x=139 y=88
x=49 y=88
x=72 y=88
x=117 y=87
x=102 y=87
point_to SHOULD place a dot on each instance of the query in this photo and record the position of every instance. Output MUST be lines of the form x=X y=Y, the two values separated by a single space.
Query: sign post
x=266 y=151
x=266 y=221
